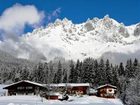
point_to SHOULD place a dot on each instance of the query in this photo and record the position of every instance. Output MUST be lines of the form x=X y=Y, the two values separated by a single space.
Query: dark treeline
x=125 y=76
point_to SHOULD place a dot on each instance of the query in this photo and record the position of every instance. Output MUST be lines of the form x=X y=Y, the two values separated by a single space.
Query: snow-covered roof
x=69 y=84
x=107 y=85
x=27 y=81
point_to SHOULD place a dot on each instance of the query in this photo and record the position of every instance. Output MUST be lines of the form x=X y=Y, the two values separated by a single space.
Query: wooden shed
x=52 y=96
x=25 y=87
x=106 y=91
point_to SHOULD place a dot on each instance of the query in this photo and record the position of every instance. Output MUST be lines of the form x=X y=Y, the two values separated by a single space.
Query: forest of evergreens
x=125 y=76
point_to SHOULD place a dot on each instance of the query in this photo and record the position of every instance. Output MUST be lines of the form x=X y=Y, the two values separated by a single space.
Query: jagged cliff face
x=94 y=38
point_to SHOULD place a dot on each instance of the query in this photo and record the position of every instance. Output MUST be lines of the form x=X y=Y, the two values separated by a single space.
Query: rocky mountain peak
x=92 y=38
x=137 y=30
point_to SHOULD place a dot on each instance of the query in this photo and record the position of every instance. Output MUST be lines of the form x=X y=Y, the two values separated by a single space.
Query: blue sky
x=126 y=11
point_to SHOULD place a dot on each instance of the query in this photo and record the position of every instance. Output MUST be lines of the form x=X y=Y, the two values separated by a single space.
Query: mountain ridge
x=93 y=38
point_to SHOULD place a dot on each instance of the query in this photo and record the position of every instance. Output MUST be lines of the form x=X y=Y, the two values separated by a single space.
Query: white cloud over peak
x=14 y=19
x=12 y=24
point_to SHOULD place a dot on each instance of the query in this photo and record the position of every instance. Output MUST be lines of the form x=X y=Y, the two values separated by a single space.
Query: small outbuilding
x=106 y=91
x=52 y=96
x=25 y=87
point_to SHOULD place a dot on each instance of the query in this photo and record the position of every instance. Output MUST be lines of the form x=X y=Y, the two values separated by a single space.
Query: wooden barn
x=71 y=88
x=107 y=91
x=25 y=87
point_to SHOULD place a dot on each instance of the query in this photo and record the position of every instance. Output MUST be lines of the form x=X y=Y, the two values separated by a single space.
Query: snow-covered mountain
x=94 y=38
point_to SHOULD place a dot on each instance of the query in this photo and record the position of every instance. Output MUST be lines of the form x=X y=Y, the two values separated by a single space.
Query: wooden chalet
x=25 y=87
x=71 y=88
x=106 y=91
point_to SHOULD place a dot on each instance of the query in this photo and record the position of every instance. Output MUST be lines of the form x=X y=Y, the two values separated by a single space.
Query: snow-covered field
x=36 y=100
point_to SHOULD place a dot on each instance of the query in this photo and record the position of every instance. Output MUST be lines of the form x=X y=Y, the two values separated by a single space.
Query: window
x=21 y=87
x=29 y=87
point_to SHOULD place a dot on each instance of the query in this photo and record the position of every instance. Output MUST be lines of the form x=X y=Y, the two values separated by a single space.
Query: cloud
x=14 y=19
x=54 y=14
x=12 y=24
x=21 y=50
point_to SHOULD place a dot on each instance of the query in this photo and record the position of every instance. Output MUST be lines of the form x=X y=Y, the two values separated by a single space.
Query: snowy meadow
x=36 y=100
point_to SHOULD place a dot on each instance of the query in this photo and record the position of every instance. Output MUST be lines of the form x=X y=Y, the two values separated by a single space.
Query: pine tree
x=108 y=72
x=136 y=69
x=39 y=73
x=129 y=69
x=121 y=70
x=97 y=73
x=115 y=80
x=46 y=73
x=25 y=73
x=102 y=74
x=77 y=72
x=65 y=79
x=80 y=72
x=123 y=85
x=88 y=71
x=51 y=71
x=133 y=91
x=71 y=76
x=58 y=75
x=17 y=74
